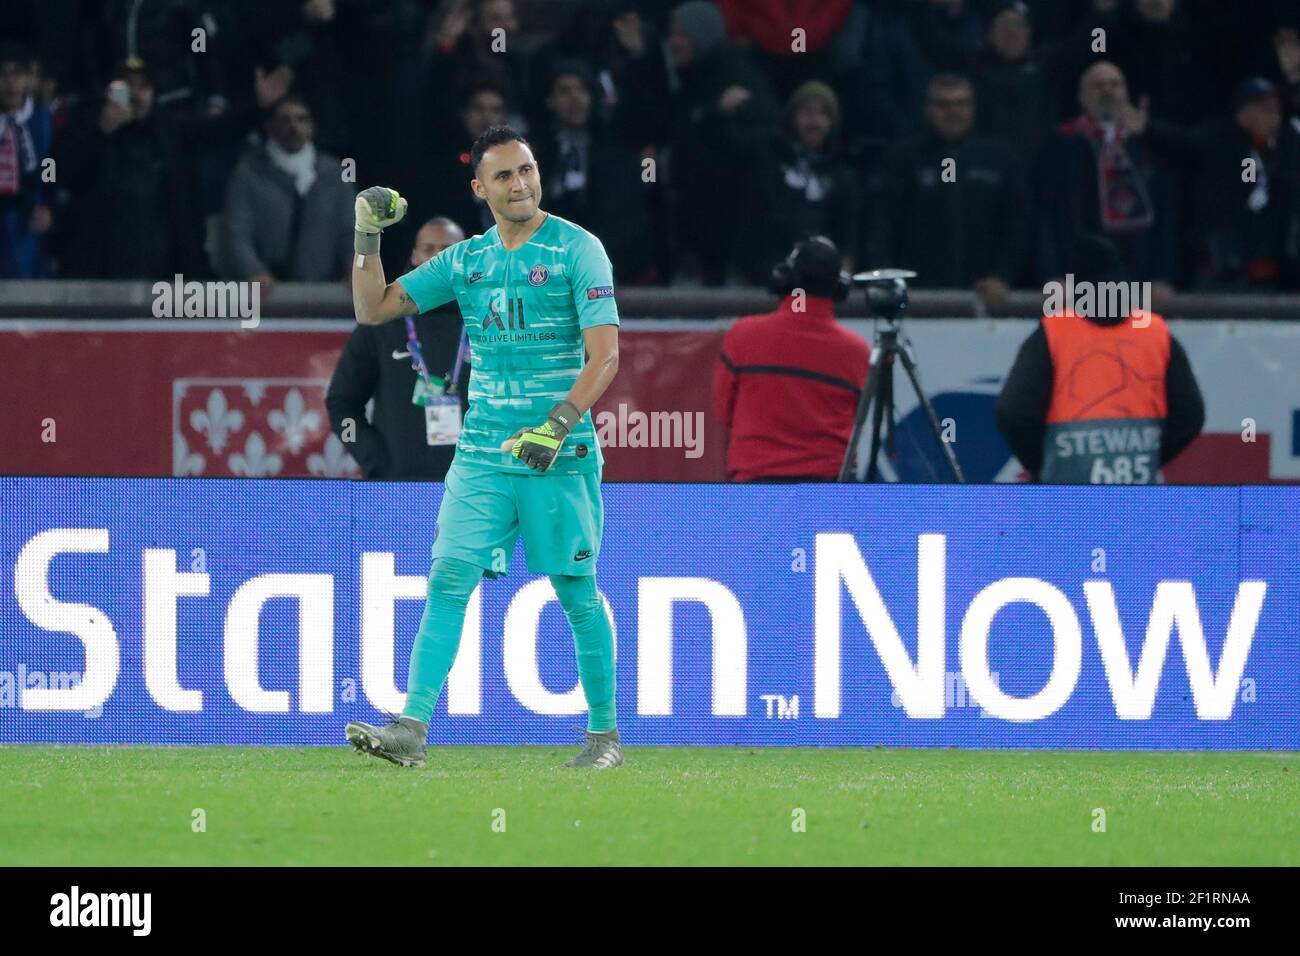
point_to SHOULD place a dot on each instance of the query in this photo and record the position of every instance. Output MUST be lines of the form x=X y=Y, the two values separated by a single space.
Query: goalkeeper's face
x=509 y=182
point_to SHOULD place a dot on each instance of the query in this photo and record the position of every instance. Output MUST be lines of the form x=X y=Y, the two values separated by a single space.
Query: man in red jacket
x=787 y=382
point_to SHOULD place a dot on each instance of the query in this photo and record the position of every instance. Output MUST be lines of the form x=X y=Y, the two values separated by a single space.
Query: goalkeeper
x=535 y=291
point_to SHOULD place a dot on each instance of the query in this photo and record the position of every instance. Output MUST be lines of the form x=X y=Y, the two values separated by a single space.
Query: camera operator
x=787 y=382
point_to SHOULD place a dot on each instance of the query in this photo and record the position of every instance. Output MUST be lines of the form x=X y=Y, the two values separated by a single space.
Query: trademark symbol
x=780 y=707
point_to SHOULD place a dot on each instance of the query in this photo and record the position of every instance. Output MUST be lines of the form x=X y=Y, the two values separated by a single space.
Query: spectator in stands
x=887 y=97
x=1056 y=20
x=952 y=204
x=1099 y=398
x=377 y=364
x=668 y=83
x=394 y=79
x=1286 y=48
x=1249 y=216
x=725 y=117
x=1156 y=48
x=311 y=38
x=42 y=30
x=129 y=168
x=26 y=131
x=1016 y=98
x=288 y=211
x=1165 y=53
x=803 y=189
x=464 y=47
x=787 y=382
x=948 y=31
x=47 y=92
x=1065 y=43
x=591 y=177
x=770 y=25
x=630 y=94
x=439 y=177
x=630 y=82
x=905 y=44
x=159 y=34
x=1097 y=176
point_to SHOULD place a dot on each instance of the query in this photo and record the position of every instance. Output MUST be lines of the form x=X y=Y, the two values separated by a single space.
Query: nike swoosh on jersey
x=400 y=355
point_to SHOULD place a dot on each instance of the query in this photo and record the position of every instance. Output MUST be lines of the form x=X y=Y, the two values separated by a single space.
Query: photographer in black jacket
x=377 y=363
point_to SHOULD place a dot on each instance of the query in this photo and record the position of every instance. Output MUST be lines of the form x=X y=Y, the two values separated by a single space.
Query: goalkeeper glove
x=539 y=447
x=377 y=208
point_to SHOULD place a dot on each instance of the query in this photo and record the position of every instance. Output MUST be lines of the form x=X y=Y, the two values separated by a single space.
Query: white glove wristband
x=365 y=243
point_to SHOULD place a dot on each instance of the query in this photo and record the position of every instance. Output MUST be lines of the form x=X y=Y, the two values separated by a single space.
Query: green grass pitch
x=83 y=805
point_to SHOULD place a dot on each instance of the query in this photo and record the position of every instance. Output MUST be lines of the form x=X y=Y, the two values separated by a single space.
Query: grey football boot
x=602 y=751
x=400 y=741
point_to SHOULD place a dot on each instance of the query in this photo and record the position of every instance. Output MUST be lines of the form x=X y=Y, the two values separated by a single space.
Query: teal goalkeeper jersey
x=525 y=311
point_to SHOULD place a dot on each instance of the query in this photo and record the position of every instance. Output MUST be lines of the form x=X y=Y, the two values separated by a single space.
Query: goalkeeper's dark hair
x=493 y=136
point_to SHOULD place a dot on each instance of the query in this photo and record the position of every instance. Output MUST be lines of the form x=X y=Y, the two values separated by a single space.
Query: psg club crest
x=538 y=275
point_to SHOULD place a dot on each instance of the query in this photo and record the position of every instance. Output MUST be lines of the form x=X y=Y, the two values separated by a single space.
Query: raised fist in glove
x=377 y=208
x=539 y=447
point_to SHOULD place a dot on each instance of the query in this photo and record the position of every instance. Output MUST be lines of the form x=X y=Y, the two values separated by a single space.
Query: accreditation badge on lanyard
x=441 y=403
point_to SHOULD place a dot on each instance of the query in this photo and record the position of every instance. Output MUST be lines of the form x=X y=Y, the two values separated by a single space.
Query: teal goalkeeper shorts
x=484 y=511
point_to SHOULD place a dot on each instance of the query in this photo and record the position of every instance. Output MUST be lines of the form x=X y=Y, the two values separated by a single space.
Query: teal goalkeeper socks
x=594 y=641
x=451 y=582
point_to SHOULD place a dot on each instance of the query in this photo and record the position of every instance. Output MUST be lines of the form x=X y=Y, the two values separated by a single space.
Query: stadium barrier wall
x=206 y=611
x=137 y=299
x=205 y=398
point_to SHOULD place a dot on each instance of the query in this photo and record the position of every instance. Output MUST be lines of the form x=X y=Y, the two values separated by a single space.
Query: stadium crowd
x=974 y=141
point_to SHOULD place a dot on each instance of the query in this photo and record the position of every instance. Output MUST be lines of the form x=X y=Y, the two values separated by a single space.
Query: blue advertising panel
x=163 y=611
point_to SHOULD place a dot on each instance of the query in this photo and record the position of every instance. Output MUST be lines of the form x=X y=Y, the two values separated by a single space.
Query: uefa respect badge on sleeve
x=442 y=420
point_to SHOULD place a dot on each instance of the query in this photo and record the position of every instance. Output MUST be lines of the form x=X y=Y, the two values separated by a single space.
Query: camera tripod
x=887 y=294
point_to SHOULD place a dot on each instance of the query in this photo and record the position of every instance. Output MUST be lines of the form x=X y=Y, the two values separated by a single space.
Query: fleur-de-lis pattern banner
x=255 y=428
x=103 y=397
